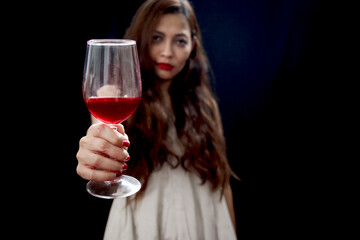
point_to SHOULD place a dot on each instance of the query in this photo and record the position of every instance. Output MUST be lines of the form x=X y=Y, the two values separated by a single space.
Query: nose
x=167 y=50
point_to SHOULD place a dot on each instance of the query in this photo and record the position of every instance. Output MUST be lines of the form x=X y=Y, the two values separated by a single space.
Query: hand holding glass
x=112 y=92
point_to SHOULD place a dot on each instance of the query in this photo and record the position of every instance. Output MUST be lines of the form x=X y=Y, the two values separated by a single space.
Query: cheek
x=153 y=52
x=183 y=57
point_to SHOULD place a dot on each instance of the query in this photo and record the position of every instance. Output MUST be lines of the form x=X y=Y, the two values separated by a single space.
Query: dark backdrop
x=272 y=66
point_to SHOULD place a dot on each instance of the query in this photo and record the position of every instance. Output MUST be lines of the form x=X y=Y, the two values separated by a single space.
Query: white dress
x=174 y=206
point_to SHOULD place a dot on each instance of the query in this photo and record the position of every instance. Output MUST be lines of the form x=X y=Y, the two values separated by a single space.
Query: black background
x=273 y=62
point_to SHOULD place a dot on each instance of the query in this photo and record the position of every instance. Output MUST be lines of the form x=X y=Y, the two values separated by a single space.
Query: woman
x=177 y=144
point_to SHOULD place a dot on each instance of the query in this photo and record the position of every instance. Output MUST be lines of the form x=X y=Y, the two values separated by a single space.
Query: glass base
x=118 y=188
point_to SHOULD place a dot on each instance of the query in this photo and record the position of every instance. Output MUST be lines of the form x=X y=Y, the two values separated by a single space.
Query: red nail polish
x=126 y=144
x=119 y=174
x=127 y=159
x=125 y=167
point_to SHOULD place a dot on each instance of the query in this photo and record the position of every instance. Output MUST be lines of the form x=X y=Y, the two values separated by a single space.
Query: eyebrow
x=176 y=35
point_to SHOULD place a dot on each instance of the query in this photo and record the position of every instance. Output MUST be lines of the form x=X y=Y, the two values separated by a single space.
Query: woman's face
x=171 y=45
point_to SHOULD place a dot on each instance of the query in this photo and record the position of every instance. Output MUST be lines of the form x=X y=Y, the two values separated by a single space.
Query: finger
x=102 y=146
x=104 y=163
x=121 y=129
x=89 y=173
x=105 y=132
x=100 y=161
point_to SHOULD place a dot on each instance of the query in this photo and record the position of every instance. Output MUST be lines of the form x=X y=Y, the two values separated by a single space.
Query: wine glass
x=112 y=92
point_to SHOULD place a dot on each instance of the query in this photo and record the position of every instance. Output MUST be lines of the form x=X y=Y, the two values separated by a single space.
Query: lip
x=165 y=66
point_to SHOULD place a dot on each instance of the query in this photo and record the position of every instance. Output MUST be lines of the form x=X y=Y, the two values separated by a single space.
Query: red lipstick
x=165 y=66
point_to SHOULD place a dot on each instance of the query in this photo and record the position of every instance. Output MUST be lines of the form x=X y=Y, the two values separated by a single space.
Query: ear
x=194 y=43
x=193 y=47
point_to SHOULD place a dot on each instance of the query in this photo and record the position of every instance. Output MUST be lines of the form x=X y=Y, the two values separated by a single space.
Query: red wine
x=112 y=110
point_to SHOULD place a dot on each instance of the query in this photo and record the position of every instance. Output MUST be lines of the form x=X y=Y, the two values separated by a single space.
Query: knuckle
x=97 y=160
x=90 y=129
x=118 y=155
x=103 y=146
x=78 y=170
x=78 y=155
x=91 y=175
x=118 y=142
x=96 y=129
x=99 y=128
x=81 y=172
x=82 y=141
x=86 y=173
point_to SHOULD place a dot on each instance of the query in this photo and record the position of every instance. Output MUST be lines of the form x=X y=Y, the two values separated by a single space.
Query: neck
x=164 y=93
x=164 y=86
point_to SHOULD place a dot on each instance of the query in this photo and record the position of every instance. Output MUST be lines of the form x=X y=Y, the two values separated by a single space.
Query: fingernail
x=126 y=144
x=118 y=174
x=128 y=158
x=125 y=167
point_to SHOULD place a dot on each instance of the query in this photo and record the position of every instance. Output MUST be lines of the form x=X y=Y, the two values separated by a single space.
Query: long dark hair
x=194 y=108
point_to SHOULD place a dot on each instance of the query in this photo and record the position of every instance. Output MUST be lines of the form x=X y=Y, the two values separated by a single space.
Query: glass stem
x=118 y=180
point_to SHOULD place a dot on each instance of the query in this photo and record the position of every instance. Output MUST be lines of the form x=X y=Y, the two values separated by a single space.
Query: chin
x=164 y=77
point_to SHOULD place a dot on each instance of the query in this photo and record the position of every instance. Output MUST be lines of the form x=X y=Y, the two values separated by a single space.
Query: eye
x=156 y=39
x=181 y=42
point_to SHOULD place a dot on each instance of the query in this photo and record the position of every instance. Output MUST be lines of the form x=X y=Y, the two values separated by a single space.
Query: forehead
x=173 y=24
